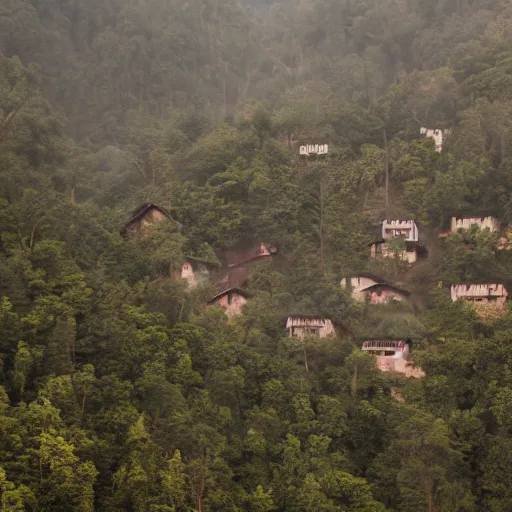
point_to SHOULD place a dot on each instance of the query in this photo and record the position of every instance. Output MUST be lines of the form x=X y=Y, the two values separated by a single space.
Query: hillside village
x=255 y=256
x=400 y=241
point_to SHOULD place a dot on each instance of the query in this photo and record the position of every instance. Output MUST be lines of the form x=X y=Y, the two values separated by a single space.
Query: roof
x=475 y=217
x=374 y=277
x=405 y=339
x=390 y=286
x=312 y=317
x=477 y=284
x=140 y=211
x=306 y=317
x=194 y=261
x=242 y=257
x=234 y=289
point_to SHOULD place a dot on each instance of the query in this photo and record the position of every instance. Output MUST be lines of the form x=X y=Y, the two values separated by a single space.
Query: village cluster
x=391 y=354
x=398 y=239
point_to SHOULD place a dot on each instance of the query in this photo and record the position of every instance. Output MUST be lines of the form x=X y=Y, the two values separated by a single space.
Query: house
x=393 y=356
x=232 y=300
x=240 y=264
x=406 y=229
x=383 y=293
x=302 y=326
x=142 y=218
x=482 y=222
x=373 y=289
x=195 y=272
x=437 y=134
x=400 y=239
x=357 y=285
x=313 y=149
x=489 y=299
x=490 y=223
x=406 y=252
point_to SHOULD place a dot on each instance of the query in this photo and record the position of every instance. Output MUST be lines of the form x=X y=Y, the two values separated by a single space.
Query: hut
x=393 y=356
x=142 y=218
x=232 y=300
x=302 y=326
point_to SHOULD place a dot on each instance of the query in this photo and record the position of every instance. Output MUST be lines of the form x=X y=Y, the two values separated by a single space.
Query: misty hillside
x=255 y=256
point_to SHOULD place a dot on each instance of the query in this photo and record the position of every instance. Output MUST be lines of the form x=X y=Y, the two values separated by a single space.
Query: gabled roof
x=242 y=257
x=373 y=277
x=234 y=289
x=200 y=261
x=308 y=317
x=405 y=339
x=140 y=212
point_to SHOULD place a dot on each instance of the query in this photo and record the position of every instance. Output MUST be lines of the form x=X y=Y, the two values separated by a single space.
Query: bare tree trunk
x=73 y=190
x=321 y=227
x=431 y=506
x=353 y=384
x=386 y=170
x=305 y=357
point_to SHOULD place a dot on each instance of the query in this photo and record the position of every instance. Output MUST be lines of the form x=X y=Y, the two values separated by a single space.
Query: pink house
x=240 y=264
x=383 y=293
x=232 y=300
x=142 y=218
x=376 y=290
x=392 y=356
x=195 y=272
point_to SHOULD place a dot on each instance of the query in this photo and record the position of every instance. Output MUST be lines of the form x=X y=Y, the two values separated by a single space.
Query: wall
x=436 y=134
x=358 y=284
x=395 y=363
x=142 y=226
x=383 y=251
x=156 y=215
x=194 y=276
x=397 y=228
x=493 y=292
x=482 y=222
x=187 y=273
x=488 y=299
x=297 y=326
x=237 y=302
x=390 y=364
x=384 y=295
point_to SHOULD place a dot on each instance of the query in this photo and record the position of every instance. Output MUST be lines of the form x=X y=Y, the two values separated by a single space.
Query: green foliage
x=119 y=389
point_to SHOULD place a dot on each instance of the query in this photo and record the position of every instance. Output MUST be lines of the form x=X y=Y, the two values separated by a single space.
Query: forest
x=120 y=389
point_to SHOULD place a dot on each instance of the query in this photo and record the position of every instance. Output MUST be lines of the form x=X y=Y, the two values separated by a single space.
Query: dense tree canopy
x=119 y=390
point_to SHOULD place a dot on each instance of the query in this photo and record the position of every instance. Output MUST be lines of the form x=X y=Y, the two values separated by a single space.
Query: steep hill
x=123 y=389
